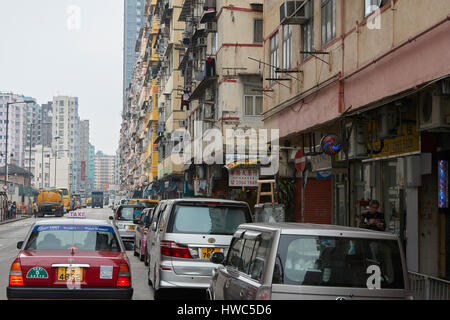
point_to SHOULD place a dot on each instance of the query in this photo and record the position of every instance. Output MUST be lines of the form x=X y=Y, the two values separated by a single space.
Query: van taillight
x=124 y=276
x=264 y=293
x=15 y=274
x=172 y=249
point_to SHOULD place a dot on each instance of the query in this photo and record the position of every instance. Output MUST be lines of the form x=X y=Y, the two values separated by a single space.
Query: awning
x=208 y=16
x=249 y=163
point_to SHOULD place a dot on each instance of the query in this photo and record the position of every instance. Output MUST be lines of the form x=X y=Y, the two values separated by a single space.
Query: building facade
x=134 y=19
x=372 y=81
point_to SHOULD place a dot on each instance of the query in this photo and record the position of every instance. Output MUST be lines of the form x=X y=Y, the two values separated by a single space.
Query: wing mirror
x=153 y=226
x=19 y=244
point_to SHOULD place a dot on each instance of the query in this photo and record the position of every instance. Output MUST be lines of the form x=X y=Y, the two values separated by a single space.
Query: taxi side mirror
x=19 y=244
x=111 y=218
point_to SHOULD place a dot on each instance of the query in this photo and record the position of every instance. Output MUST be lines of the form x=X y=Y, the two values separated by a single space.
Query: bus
x=97 y=199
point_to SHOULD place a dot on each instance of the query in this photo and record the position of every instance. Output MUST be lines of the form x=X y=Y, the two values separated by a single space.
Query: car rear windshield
x=338 y=262
x=130 y=214
x=63 y=237
x=208 y=219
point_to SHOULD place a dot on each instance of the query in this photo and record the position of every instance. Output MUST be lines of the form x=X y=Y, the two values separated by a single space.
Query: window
x=234 y=259
x=258 y=31
x=328 y=21
x=207 y=220
x=287 y=47
x=308 y=32
x=260 y=255
x=274 y=55
x=372 y=5
x=337 y=262
x=253 y=100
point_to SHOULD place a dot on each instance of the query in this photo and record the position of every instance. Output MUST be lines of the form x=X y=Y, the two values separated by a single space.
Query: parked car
x=70 y=259
x=125 y=219
x=292 y=261
x=148 y=203
x=183 y=235
x=140 y=240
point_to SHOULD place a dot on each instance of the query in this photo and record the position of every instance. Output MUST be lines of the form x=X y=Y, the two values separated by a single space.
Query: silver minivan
x=293 y=261
x=183 y=235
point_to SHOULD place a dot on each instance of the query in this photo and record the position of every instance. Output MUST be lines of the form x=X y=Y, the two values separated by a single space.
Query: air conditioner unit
x=357 y=142
x=388 y=122
x=434 y=111
x=288 y=8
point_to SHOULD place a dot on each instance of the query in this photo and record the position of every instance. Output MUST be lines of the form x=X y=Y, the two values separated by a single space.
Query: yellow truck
x=67 y=199
x=50 y=201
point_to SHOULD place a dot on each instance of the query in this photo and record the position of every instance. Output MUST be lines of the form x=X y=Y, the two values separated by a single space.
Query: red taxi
x=71 y=259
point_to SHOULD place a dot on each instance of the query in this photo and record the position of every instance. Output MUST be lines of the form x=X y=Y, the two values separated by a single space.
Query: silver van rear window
x=207 y=219
x=339 y=262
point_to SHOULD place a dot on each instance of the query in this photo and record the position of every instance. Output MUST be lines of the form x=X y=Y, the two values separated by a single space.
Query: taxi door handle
x=241 y=294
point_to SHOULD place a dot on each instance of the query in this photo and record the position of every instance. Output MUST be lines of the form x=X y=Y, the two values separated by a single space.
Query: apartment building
x=138 y=155
x=104 y=168
x=369 y=79
x=65 y=126
x=222 y=87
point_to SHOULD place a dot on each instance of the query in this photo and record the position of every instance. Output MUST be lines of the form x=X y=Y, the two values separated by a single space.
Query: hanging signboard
x=407 y=141
x=243 y=177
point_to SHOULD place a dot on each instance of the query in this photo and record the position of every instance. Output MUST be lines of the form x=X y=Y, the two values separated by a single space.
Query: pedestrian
x=374 y=220
x=13 y=209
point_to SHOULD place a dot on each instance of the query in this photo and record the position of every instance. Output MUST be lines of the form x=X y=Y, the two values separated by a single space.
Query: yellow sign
x=407 y=141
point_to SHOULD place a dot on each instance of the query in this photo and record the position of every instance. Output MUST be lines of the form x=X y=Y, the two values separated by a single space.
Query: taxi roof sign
x=77 y=214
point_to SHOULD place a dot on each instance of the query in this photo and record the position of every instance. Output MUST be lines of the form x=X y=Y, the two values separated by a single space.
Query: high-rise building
x=46 y=128
x=65 y=132
x=134 y=20
x=91 y=167
x=104 y=168
x=83 y=155
x=16 y=117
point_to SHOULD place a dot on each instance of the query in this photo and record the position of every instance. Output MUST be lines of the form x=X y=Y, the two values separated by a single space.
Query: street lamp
x=7 y=133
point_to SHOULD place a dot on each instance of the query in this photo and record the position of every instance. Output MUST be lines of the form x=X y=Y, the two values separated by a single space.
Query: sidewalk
x=18 y=217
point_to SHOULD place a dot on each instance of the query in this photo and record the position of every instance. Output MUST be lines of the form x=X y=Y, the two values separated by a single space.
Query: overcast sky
x=67 y=47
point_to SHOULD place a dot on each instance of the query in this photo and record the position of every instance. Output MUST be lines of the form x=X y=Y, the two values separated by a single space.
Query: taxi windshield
x=62 y=237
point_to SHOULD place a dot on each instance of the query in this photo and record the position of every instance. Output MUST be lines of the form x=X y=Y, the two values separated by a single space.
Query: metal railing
x=425 y=287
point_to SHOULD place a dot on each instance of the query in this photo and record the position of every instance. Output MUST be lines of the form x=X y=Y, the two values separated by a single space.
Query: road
x=13 y=232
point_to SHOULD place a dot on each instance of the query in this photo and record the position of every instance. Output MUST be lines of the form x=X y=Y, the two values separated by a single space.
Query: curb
x=12 y=220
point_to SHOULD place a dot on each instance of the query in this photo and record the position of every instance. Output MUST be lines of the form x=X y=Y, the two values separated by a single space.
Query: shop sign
x=243 y=177
x=320 y=162
x=408 y=141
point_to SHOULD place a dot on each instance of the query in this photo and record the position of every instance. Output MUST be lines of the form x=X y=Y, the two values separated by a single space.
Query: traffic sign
x=300 y=160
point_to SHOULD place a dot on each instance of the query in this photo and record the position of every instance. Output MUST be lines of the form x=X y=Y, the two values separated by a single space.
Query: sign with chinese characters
x=243 y=177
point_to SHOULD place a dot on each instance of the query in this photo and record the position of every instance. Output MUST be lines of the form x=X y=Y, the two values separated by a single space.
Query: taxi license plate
x=131 y=227
x=207 y=252
x=70 y=274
